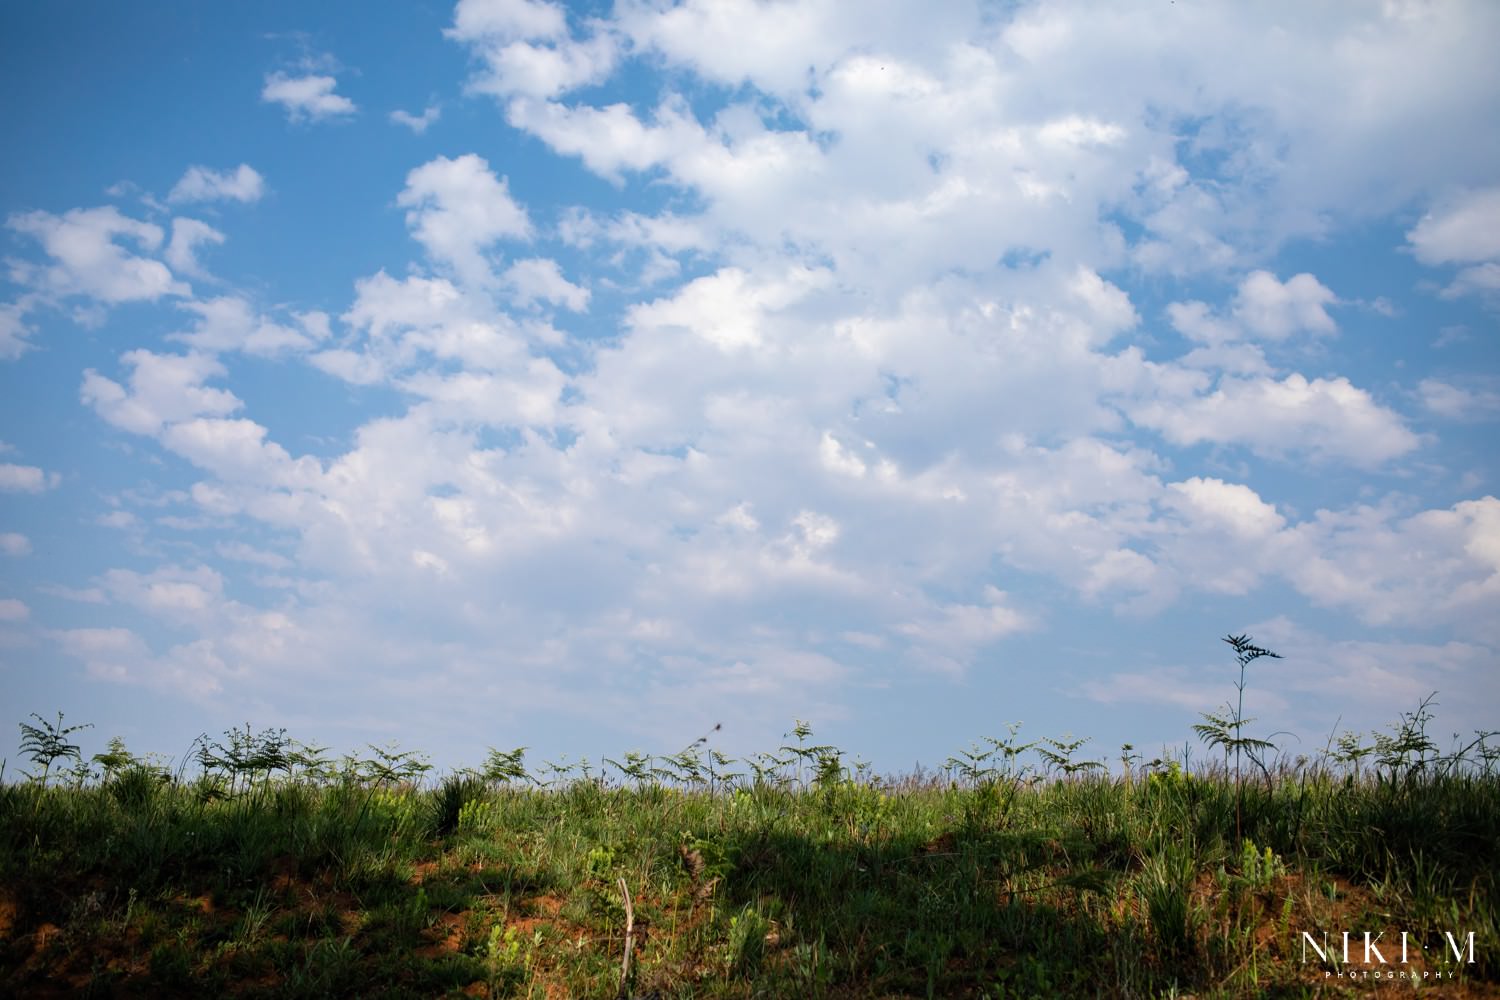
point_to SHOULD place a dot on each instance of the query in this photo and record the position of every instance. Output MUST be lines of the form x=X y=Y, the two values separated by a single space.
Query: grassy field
x=1021 y=869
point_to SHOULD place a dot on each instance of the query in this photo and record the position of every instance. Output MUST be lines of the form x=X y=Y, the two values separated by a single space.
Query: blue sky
x=585 y=376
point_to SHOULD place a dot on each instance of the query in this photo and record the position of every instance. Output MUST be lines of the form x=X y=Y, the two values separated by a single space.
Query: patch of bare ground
x=447 y=935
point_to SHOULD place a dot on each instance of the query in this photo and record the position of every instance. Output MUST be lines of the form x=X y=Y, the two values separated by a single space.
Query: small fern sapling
x=1408 y=750
x=803 y=753
x=1060 y=756
x=47 y=743
x=1227 y=729
x=502 y=766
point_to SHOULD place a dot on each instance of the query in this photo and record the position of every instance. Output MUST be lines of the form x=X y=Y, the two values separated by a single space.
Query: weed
x=47 y=743
x=1259 y=866
x=256 y=916
x=505 y=959
x=505 y=766
x=1166 y=889
x=746 y=943
x=1227 y=729
x=450 y=799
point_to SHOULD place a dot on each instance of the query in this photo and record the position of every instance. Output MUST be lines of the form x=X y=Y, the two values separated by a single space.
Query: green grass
x=1018 y=872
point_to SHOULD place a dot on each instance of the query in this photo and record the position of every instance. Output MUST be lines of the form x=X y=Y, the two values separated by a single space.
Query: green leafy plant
x=136 y=786
x=1166 y=888
x=803 y=753
x=971 y=764
x=697 y=766
x=388 y=766
x=503 y=766
x=245 y=757
x=449 y=800
x=639 y=768
x=477 y=815
x=560 y=772
x=767 y=770
x=115 y=759
x=1351 y=750
x=311 y=761
x=508 y=957
x=747 y=940
x=47 y=743
x=1259 y=866
x=1407 y=751
x=1059 y=754
x=601 y=863
x=1227 y=729
x=992 y=777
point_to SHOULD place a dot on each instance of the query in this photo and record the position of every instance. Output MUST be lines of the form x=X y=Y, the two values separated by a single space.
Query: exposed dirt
x=447 y=935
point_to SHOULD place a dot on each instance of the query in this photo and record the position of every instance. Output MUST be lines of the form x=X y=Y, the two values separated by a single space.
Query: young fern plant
x=1060 y=756
x=971 y=765
x=768 y=770
x=636 y=767
x=247 y=758
x=804 y=754
x=48 y=743
x=502 y=767
x=1227 y=730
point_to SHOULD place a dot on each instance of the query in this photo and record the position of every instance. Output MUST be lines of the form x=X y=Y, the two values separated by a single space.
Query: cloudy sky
x=585 y=376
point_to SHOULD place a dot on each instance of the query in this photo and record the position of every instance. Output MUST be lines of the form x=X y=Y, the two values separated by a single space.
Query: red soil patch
x=203 y=904
x=941 y=844
x=447 y=935
x=549 y=906
x=8 y=913
x=42 y=937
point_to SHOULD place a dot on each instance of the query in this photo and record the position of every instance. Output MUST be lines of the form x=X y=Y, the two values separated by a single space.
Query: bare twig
x=629 y=938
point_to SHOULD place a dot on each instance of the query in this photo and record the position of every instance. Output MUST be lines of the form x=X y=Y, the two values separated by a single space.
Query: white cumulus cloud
x=1465 y=230
x=187 y=236
x=456 y=208
x=309 y=98
x=417 y=123
x=244 y=184
x=507 y=19
x=161 y=389
x=1264 y=308
x=538 y=279
x=230 y=323
x=25 y=479
x=14 y=332
x=1330 y=419
x=89 y=259
x=1276 y=310
x=1457 y=402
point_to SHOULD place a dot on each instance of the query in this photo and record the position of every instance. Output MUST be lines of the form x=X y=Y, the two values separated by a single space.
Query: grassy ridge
x=1019 y=872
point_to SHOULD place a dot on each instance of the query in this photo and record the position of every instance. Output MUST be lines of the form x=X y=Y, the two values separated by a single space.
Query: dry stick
x=629 y=937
